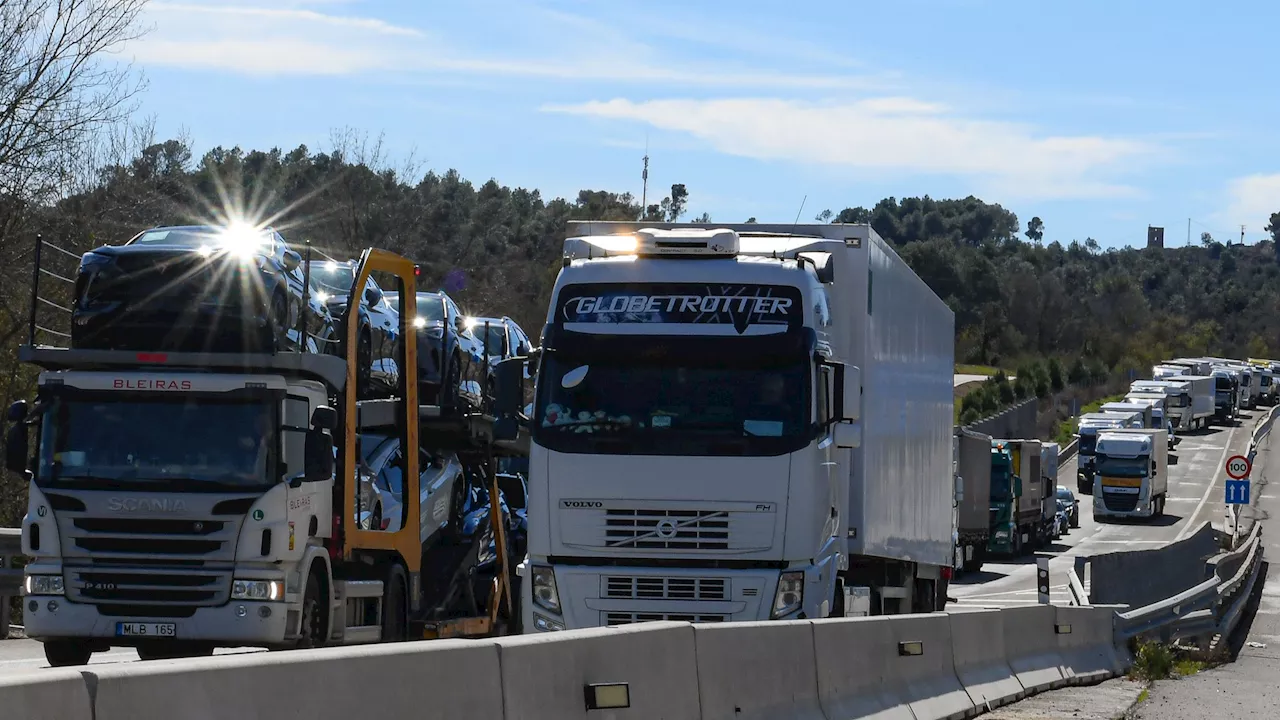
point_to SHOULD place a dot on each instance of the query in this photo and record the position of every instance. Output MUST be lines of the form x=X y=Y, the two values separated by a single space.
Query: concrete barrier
x=978 y=650
x=45 y=695
x=441 y=678
x=1088 y=649
x=854 y=672
x=866 y=668
x=1031 y=646
x=757 y=671
x=543 y=676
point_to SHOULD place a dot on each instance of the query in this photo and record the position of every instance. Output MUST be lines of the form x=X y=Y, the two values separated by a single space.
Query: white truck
x=1178 y=402
x=180 y=502
x=1201 y=390
x=1090 y=424
x=973 y=498
x=1156 y=402
x=1161 y=372
x=1133 y=473
x=747 y=422
x=1226 y=384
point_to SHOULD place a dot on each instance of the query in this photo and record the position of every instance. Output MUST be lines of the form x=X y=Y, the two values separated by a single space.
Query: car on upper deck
x=201 y=288
x=450 y=357
x=378 y=325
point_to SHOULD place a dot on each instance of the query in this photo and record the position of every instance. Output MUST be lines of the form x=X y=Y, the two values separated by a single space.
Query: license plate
x=164 y=630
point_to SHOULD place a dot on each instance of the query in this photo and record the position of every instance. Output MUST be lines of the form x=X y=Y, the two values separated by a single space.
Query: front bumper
x=592 y=596
x=1143 y=508
x=238 y=623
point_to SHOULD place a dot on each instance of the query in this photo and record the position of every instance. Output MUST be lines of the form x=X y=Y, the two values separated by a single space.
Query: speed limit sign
x=1238 y=467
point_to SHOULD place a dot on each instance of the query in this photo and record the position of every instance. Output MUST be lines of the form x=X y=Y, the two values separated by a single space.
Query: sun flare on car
x=241 y=239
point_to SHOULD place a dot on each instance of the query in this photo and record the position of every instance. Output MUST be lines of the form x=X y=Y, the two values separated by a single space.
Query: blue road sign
x=1238 y=492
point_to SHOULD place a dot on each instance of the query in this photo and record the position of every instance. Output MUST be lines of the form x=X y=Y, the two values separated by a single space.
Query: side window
x=392 y=478
x=296 y=420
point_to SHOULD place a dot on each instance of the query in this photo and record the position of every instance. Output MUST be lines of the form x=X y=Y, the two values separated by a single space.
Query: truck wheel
x=395 y=620
x=313 y=629
x=66 y=653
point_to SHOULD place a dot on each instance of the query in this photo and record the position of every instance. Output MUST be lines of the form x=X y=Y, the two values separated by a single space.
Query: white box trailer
x=653 y=463
x=1201 y=389
x=973 y=523
x=1178 y=404
x=1160 y=372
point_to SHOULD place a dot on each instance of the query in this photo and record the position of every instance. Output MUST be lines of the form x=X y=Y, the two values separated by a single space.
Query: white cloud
x=1251 y=200
x=535 y=44
x=894 y=134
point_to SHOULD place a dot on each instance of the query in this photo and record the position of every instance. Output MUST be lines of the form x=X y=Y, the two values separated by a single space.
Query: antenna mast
x=644 y=176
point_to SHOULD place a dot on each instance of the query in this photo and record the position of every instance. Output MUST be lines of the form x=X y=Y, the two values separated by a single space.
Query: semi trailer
x=744 y=422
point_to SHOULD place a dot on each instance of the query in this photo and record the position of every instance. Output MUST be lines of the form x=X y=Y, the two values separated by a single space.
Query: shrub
x=1056 y=380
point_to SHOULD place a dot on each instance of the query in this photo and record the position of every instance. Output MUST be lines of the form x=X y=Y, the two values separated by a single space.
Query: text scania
x=150 y=384
x=146 y=505
x=677 y=303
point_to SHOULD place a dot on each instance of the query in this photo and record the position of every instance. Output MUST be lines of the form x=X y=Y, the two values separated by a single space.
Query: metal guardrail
x=1068 y=451
x=1211 y=608
x=10 y=577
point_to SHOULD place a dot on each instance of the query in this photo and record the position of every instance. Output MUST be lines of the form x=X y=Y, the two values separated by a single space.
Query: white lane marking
x=1231 y=435
x=1130 y=542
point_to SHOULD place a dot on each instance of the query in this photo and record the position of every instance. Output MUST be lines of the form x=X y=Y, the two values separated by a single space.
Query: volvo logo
x=666 y=529
x=146 y=505
x=581 y=503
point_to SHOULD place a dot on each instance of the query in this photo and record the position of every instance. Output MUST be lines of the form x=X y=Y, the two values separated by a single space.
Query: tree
x=1206 y=239
x=703 y=219
x=824 y=216
x=1273 y=227
x=1057 y=379
x=673 y=206
x=1035 y=230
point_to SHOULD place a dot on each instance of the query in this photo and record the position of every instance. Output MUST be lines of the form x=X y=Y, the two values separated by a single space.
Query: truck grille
x=147 y=586
x=667 y=529
x=627 y=618
x=1120 y=502
x=150 y=566
x=666 y=588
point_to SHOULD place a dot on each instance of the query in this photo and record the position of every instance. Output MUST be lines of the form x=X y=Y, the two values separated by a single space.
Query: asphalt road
x=1196 y=494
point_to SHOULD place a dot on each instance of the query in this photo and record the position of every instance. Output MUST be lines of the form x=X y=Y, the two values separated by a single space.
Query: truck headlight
x=790 y=594
x=44 y=585
x=257 y=590
x=545 y=593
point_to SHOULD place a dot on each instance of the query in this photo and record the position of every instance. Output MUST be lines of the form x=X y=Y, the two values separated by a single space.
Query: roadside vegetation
x=1158 y=661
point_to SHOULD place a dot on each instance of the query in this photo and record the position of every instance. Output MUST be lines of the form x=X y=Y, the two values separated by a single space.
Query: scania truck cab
x=697 y=449
x=1133 y=472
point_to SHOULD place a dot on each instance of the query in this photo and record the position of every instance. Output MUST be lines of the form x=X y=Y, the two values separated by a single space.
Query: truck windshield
x=1087 y=442
x=680 y=403
x=1001 y=485
x=194 y=444
x=1123 y=467
x=1223 y=384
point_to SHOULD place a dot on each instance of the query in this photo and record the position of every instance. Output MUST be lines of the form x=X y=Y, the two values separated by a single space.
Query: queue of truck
x=725 y=424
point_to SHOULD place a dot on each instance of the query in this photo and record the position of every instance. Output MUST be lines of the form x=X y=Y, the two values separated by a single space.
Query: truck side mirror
x=509 y=390
x=317 y=455
x=324 y=418
x=1153 y=466
x=1017 y=485
x=16 y=439
x=317 y=446
x=15 y=447
x=959 y=488
x=846 y=434
x=291 y=260
x=17 y=412
x=848 y=392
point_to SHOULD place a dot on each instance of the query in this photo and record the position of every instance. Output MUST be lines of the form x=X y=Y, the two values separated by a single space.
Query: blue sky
x=1099 y=117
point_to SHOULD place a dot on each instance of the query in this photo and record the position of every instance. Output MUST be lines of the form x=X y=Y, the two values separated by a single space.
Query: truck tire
x=313 y=630
x=395 y=614
x=67 y=653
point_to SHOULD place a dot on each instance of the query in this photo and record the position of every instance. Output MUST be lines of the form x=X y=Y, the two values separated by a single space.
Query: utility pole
x=644 y=176
x=1188 y=232
x=1241 y=234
